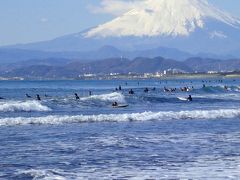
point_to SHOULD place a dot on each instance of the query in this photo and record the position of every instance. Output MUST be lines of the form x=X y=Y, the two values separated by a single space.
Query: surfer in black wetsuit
x=28 y=96
x=114 y=104
x=38 y=97
x=131 y=91
x=76 y=96
x=146 y=90
x=120 y=88
x=189 y=98
x=90 y=93
x=1 y=98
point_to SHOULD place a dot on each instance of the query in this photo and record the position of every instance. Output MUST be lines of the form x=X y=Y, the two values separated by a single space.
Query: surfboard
x=183 y=99
x=120 y=106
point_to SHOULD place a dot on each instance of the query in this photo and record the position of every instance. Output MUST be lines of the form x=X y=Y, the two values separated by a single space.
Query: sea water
x=158 y=136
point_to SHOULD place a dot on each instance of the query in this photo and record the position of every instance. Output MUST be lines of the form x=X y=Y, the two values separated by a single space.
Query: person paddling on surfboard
x=28 y=96
x=189 y=98
x=114 y=104
x=76 y=96
x=131 y=91
x=90 y=93
x=38 y=97
x=146 y=90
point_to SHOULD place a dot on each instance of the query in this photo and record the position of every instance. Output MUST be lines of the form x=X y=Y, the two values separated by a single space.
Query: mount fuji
x=193 y=26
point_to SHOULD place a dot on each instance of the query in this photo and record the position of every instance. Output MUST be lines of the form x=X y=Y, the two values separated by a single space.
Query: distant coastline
x=135 y=77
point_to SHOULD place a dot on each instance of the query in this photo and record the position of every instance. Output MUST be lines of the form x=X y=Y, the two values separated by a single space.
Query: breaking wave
x=217 y=89
x=44 y=174
x=145 y=116
x=111 y=97
x=27 y=106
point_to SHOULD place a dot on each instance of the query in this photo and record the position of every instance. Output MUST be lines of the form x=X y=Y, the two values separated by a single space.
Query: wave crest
x=111 y=97
x=27 y=106
x=145 y=116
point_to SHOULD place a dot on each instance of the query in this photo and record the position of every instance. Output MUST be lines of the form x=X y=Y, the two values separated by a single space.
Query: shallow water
x=157 y=136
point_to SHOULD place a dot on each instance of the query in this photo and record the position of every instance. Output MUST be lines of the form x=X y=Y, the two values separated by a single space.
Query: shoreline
x=130 y=77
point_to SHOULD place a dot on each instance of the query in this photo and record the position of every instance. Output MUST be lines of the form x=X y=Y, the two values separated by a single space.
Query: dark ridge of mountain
x=106 y=66
x=208 y=64
x=112 y=65
x=121 y=65
x=16 y=55
x=41 y=71
x=8 y=56
x=72 y=69
x=169 y=53
x=158 y=64
x=22 y=64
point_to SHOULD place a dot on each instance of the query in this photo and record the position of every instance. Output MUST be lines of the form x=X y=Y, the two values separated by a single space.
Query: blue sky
x=23 y=21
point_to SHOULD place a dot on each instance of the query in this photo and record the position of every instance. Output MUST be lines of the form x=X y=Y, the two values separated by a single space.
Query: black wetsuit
x=189 y=98
x=131 y=91
x=76 y=96
x=146 y=90
x=28 y=96
x=38 y=98
x=114 y=104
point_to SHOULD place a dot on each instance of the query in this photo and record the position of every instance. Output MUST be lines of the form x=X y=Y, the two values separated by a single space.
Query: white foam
x=111 y=97
x=145 y=116
x=27 y=106
x=44 y=174
x=223 y=168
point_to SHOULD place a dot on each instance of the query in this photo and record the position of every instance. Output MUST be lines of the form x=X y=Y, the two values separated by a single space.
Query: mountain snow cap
x=163 y=18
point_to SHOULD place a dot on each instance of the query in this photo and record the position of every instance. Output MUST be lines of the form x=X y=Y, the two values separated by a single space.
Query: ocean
x=159 y=135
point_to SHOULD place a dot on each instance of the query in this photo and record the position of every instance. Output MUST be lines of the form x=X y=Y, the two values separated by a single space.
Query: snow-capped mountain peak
x=163 y=18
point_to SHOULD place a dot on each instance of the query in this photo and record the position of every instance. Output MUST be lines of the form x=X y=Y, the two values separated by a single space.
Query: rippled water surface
x=158 y=136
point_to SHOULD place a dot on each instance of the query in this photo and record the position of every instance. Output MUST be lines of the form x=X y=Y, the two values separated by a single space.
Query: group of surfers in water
x=130 y=92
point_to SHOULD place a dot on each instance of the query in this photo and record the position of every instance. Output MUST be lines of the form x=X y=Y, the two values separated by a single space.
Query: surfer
x=28 y=96
x=90 y=93
x=120 y=88
x=1 y=98
x=114 y=104
x=38 y=97
x=131 y=91
x=76 y=96
x=166 y=90
x=146 y=90
x=189 y=98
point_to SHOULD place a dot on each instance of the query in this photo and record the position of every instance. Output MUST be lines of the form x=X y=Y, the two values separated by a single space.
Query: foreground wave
x=25 y=106
x=145 y=116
